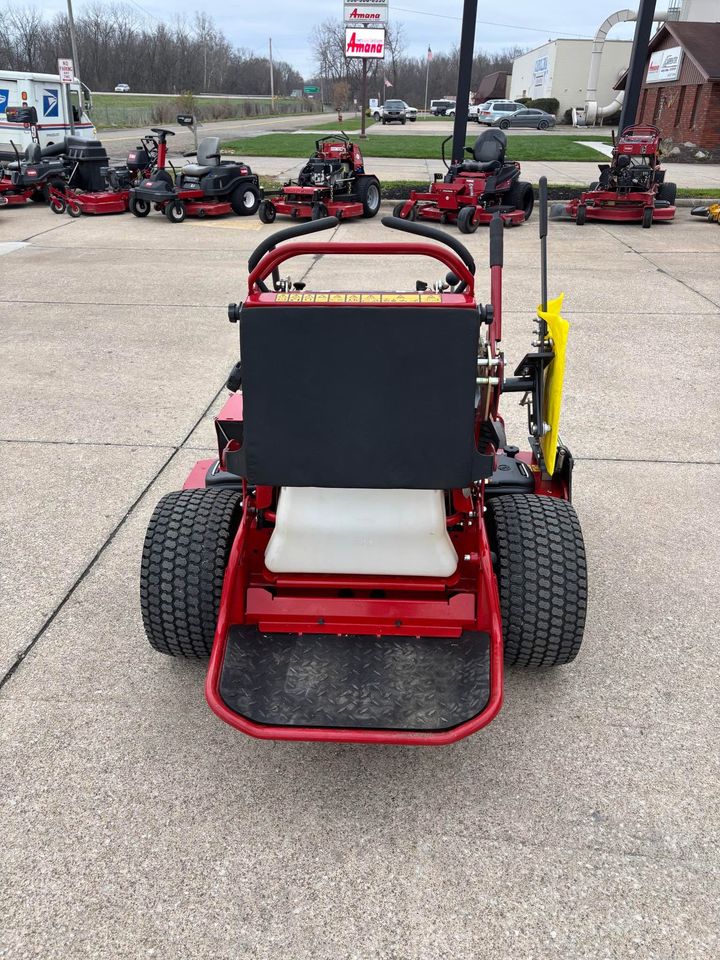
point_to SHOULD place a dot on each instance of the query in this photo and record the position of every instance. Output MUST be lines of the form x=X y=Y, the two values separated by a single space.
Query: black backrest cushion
x=490 y=145
x=359 y=396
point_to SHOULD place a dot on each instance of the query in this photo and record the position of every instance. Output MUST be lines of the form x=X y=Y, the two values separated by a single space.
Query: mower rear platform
x=364 y=682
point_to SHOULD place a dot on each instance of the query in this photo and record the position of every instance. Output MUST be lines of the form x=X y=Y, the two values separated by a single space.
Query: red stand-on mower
x=209 y=188
x=473 y=191
x=631 y=188
x=367 y=547
x=332 y=183
x=96 y=188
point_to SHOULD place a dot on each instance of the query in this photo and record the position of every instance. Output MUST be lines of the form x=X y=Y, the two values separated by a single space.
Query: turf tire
x=245 y=200
x=521 y=196
x=542 y=578
x=668 y=192
x=184 y=558
x=368 y=194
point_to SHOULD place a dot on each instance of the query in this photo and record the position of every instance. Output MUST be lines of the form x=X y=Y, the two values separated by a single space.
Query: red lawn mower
x=94 y=187
x=367 y=547
x=474 y=191
x=631 y=188
x=209 y=188
x=332 y=183
x=31 y=176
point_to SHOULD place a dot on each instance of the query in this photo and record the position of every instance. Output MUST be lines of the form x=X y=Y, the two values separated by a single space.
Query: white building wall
x=703 y=11
x=560 y=69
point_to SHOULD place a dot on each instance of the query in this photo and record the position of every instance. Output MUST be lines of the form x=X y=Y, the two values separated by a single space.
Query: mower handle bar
x=432 y=233
x=496 y=241
x=170 y=133
x=299 y=230
x=273 y=258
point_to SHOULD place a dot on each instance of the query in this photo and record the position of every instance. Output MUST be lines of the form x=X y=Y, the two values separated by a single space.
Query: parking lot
x=582 y=823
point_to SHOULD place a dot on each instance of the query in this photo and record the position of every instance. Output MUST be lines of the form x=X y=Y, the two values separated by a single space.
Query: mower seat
x=208 y=155
x=488 y=153
x=31 y=154
x=363 y=416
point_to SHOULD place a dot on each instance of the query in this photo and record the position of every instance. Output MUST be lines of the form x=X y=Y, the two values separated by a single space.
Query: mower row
x=75 y=176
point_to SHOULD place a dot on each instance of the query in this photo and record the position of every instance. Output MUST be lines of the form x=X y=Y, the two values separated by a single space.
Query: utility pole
x=363 y=98
x=638 y=56
x=272 y=79
x=427 y=76
x=73 y=41
x=467 y=48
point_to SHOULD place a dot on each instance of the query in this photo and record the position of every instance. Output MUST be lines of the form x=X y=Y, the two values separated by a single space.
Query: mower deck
x=366 y=682
x=299 y=202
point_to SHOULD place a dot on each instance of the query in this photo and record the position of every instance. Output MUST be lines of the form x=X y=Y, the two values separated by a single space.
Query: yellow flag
x=557 y=331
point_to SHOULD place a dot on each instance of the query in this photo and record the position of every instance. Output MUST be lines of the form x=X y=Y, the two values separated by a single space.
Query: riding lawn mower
x=95 y=187
x=332 y=183
x=473 y=192
x=631 y=188
x=33 y=173
x=367 y=548
x=209 y=188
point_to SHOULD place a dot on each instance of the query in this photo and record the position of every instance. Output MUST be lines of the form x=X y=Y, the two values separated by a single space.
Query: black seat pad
x=359 y=396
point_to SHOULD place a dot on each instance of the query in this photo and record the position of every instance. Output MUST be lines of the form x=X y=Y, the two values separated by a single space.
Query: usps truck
x=45 y=93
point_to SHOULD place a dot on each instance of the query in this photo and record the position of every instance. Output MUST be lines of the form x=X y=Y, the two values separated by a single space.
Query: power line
x=492 y=23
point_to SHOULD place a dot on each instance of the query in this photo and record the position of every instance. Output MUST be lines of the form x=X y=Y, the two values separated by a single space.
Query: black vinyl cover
x=359 y=396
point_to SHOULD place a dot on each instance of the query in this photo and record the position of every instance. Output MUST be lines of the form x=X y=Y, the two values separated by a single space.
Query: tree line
x=115 y=45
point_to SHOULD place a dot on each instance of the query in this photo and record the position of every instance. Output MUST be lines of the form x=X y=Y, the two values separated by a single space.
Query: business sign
x=664 y=65
x=66 y=71
x=540 y=72
x=4 y=97
x=368 y=11
x=366 y=43
x=311 y=89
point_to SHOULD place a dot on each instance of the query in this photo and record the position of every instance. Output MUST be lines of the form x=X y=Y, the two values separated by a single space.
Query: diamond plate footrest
x=385 y=683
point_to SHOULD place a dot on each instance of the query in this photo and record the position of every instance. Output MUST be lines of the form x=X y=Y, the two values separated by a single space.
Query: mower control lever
x=423 y=230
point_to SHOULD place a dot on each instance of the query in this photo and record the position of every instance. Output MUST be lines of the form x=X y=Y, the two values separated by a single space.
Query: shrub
x=548 y=104
x=567 y=116
x=523 y=100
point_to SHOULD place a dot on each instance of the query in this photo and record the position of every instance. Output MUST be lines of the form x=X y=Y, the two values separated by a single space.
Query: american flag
x=387 y=83
x=429 y=56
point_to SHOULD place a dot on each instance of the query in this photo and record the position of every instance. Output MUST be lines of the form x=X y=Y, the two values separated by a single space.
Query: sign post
x=66 y=73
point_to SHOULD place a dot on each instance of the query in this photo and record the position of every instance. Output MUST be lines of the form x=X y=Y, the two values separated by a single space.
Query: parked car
x=493 y=110
x=395 y=111
x=535 y=119
x=122 y=88
x=442 y=108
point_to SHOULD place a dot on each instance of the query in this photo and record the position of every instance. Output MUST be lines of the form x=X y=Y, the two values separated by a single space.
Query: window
x=696 y=103
x=680 y=102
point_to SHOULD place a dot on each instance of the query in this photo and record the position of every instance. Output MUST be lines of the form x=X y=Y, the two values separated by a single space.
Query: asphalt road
x=120 y=141
x=580 y=825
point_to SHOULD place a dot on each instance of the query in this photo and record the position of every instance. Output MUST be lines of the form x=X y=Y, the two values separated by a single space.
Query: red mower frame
x=470 y=198
x=613 y=198
x=313 y=202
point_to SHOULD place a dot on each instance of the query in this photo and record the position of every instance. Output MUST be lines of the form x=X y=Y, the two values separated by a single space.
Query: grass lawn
x=422 y=147
x=132 y=110
x=349 y=123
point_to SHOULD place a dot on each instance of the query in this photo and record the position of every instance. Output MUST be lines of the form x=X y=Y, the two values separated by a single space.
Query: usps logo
x=4 y=97
x=51 y=103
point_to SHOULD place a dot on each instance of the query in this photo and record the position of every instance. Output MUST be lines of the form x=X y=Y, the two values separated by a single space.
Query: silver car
x=493 y=110
x=527 y=117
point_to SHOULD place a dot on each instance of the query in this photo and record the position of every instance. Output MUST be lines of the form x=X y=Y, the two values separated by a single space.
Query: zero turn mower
x=332 y=183
x=631 y=188
x=209 y=188
x=368 y=548
x=94 y=187
x=472 y=192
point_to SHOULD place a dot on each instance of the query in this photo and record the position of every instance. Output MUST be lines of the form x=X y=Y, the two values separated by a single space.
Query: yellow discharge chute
x=557 y=331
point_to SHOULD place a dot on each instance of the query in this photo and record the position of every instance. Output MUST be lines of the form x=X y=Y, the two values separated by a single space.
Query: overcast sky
x=527 y=23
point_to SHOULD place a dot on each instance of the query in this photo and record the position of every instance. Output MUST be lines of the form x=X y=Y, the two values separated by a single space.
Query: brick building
x=681 y=90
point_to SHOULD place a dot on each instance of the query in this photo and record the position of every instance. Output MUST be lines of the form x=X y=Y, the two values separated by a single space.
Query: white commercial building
x=560 y=69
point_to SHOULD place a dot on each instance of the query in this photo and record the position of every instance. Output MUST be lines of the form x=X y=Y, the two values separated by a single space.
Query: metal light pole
x=73 y=41
x=467 y=47
x=427 y=75
x=272 y=80
x=638 y=56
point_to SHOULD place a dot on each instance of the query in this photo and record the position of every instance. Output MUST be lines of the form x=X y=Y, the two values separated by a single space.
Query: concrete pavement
x=580 y=825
